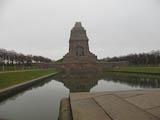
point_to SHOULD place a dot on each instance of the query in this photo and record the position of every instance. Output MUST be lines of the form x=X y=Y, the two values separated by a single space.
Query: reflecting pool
x=41 y=102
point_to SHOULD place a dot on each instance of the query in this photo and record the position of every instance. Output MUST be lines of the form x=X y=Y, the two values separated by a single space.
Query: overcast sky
x=114 y=27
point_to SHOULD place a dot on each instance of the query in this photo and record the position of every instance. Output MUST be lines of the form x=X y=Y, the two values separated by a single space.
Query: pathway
x=20 y=71
x=122 y=105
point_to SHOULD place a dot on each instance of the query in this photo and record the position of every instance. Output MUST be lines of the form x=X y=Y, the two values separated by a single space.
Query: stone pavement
x=120 y=105
x=1 y=72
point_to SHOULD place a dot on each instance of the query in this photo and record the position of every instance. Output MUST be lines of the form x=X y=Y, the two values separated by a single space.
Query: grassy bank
x=136 y=69
x=14 y=78
x=133 y=75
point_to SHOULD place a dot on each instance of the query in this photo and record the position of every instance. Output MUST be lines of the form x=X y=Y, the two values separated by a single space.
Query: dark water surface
x=41 y=102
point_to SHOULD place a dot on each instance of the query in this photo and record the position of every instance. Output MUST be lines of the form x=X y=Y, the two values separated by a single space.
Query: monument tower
x=79 y=56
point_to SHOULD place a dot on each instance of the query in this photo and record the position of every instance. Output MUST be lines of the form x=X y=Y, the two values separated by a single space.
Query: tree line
x=11 y=58
x=150 y=58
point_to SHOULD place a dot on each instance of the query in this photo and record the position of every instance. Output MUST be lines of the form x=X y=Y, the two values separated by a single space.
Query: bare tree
x=12 y=57
x=151 y=58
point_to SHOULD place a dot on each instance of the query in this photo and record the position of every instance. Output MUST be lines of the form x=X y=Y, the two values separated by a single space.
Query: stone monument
x=79 y=56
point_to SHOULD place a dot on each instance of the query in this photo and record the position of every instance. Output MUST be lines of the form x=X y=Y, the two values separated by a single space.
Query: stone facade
x=78 y=47
x=79 y=56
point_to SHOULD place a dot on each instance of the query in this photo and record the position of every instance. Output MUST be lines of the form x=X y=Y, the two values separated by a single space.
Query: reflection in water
x=40 y=84
x=42 y=100
x=84 y=82
x=78 y=83
x=134 y=80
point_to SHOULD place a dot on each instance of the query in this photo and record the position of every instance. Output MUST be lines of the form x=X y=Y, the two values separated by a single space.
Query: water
x=41 y=102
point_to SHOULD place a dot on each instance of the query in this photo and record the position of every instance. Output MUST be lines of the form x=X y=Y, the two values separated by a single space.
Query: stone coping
x=7 y=92
x=65 y=110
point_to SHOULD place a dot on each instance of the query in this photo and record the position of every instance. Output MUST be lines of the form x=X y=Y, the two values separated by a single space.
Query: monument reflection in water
x=85 y=82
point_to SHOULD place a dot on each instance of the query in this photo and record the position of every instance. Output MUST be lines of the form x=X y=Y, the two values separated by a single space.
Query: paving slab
x=116 y=105
x=129 y=94
x=84 y=95
x=146 y=101
x=119 y=109
x=133 y=93
x=124 y=94
x=155 y=111
x=87 y=109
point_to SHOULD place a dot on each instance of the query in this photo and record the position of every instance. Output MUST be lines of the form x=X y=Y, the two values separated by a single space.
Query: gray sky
x=114 y=27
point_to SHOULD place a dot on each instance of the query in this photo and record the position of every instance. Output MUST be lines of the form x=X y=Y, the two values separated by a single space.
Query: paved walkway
x=123 y=105
x=20 y=71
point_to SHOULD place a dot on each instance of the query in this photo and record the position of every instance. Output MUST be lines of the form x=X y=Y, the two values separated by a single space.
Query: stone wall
x=92 y=67
x=113 y=64
x=84 y=66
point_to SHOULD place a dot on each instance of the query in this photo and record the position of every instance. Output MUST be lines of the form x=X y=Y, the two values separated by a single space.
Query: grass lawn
x=13 y=78
x=145 y=76
x=136 y=69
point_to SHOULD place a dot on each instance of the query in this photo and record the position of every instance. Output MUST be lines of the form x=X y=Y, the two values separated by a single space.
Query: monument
x=79 y=57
